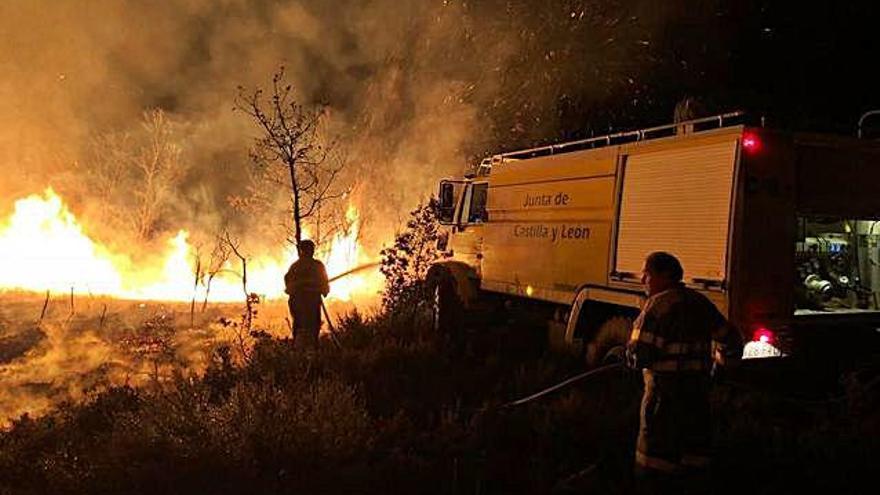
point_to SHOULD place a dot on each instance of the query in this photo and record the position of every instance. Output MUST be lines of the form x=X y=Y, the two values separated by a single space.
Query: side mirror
x=446 y=203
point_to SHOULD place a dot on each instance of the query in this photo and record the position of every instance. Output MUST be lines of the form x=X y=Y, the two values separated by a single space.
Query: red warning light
x=750 y=142
x=763 y=335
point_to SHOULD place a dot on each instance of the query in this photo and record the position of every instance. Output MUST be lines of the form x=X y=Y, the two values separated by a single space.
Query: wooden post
x=192 y=306
x=207 y=291
x=103 y=314
x=45 y=305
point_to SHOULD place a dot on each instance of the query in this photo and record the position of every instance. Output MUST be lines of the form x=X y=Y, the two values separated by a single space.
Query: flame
x=43 y=247
x=343 y=255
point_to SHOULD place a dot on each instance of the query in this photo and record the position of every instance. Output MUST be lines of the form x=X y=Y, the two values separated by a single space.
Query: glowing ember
x=43 y=247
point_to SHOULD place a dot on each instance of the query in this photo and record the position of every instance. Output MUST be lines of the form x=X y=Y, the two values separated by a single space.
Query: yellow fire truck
x=779 y=229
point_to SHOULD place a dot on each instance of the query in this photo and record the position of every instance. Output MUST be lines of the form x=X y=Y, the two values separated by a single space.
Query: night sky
x=803 y=66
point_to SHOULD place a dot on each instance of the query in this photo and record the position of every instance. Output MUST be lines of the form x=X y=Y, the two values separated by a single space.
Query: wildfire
x=43 y=247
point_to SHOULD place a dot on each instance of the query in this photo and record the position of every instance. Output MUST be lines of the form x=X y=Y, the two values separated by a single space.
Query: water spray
x=355 y=270
x=324 y=306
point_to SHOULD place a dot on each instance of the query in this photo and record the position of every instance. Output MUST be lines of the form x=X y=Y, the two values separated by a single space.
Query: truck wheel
x=607 y=344
x=446 y=306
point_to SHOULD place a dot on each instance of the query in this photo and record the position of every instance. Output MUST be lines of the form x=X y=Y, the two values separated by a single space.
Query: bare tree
x=145 y=165
x=108 y=164
x=245 y=326
x=108 y=175
x=158 y=162
x=219 y=256
x=289 y=152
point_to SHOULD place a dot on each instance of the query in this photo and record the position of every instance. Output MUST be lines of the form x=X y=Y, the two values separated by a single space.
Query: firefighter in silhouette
x=676 y=341
x=306 y=283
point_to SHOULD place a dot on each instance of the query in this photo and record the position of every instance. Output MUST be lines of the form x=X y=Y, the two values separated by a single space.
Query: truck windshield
x=450 y=192
x=478 y=204
x=837 y=265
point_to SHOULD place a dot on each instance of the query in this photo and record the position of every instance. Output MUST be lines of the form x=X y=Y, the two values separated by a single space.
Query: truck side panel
x=678 y=200
x=549 y=224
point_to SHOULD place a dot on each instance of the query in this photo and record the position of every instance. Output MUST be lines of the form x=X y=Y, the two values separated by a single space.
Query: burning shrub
x=152 y=341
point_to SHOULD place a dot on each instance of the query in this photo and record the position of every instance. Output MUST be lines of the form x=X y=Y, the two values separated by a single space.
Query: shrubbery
x=405 y=264
x=382 y=412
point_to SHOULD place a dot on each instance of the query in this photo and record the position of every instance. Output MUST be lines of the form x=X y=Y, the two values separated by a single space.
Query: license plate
x=754 y=350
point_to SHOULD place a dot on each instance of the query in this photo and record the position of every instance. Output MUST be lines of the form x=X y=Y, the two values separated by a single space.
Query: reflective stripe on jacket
x=677 y=330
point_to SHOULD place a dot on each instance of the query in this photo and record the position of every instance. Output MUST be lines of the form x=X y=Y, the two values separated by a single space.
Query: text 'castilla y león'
x=553 y=233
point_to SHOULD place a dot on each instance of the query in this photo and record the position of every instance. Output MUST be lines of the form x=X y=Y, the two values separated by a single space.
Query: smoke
x=75 y=71
x=72 y=347
x=414 y=90
x=61 y=367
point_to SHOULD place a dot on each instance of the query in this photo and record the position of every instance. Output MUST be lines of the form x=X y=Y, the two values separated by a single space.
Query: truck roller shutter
x=677 y=201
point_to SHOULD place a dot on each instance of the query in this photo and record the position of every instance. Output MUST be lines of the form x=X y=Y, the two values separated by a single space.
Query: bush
x=405 y=264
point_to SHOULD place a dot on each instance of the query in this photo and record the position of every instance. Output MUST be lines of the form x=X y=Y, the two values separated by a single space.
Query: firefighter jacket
x=306 y=276
x=679 y=330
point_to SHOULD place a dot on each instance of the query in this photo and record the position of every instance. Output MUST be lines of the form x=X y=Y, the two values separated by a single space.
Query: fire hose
x=561 y=385
x=732 y=383
x=354 y=270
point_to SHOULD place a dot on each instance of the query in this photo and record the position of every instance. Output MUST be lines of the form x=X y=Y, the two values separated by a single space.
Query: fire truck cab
x=780 y=230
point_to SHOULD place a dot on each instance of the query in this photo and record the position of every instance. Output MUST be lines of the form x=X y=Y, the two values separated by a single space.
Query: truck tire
x=446 y=306
x=607 y=344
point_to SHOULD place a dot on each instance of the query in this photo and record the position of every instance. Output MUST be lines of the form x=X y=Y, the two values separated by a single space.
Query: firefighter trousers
x=675 y=424
x=305 y=310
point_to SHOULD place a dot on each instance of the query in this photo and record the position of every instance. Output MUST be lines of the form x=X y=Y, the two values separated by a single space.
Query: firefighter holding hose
x=306 y=283
x=676 y=340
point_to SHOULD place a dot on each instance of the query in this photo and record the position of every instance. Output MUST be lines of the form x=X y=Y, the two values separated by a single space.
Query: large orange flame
x=43 y=247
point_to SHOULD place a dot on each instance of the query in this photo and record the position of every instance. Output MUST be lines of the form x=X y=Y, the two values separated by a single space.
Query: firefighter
x=306 y=283
x=675 y=342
